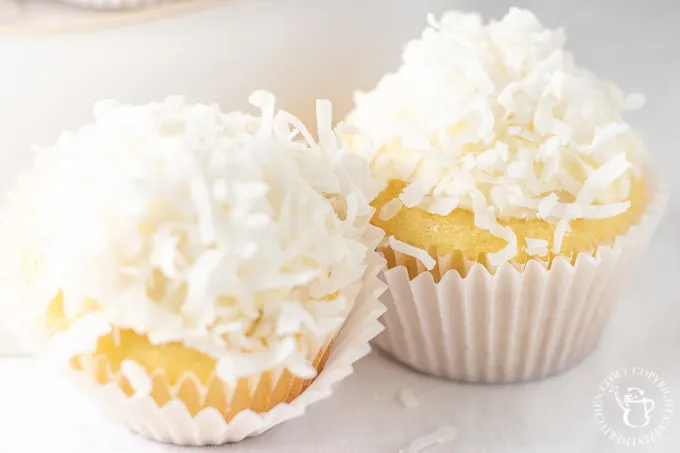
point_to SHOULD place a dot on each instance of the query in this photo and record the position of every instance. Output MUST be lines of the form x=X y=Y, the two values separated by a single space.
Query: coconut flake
x=137 y=377
x=324 y=121
x=604 y=135
x=443 y=435
x=561 y=230
x=634 y=101
x=605 y=211
x=413 y=194
x=485 y=218
x=408 y=399
x=601 y=178
x=265 y=101
x=415 y=252
x=442 y=205
x=546 y=205
x=507 y=252
x=390 y=209
x=536 y=247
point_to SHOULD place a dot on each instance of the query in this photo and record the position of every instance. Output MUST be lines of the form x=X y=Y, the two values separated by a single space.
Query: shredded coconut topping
x=498 y=119
x=221 y=231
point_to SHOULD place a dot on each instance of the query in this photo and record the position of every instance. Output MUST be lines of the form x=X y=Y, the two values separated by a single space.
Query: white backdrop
x=301 y=50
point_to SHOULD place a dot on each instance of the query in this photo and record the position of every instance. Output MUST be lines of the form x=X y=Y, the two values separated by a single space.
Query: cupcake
x=515 y=197
x=205 y=275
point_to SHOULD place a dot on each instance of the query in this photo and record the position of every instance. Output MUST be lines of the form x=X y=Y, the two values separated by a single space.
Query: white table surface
x=632 y=42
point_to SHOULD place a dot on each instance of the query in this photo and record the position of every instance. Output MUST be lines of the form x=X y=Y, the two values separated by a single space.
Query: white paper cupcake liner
x=515 y=324
x=173 y=422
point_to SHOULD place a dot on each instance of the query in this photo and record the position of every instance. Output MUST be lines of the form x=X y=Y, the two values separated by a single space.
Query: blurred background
x=57 y=59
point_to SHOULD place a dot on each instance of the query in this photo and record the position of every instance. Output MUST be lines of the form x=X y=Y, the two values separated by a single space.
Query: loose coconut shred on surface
x=443 y=435
x=408 y=399
x=498 y=119
x=239 y=236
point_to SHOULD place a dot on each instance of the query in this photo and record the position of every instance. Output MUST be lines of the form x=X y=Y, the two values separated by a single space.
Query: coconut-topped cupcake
x=170 y=245
x=514 y=194
x=496 y=143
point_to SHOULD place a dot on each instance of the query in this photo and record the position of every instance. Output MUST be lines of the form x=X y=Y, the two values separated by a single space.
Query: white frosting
x=498 y=119
x=222 y=231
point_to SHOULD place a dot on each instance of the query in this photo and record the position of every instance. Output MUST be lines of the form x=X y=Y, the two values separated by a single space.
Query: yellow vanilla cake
x=457 y=236
x=192 y=257
x=495 y=150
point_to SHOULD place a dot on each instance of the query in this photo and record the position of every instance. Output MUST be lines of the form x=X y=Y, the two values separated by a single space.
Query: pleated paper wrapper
x=515 y=324
x=174 y=422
